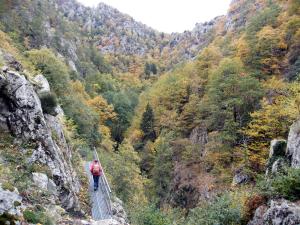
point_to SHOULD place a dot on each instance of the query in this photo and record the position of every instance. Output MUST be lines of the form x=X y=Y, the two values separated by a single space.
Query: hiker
x=96 y=171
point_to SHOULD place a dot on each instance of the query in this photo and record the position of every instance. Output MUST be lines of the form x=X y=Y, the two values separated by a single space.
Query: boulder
x=42 y=181
x=42 y=84
x=240 y=177
x=293 y=146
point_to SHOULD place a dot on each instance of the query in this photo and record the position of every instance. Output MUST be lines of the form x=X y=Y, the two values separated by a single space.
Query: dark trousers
x=96 y=181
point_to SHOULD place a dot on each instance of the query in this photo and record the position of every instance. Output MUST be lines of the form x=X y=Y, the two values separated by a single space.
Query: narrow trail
x=100 y=199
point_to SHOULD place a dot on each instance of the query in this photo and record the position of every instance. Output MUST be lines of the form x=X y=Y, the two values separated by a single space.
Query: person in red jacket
x=96 y=171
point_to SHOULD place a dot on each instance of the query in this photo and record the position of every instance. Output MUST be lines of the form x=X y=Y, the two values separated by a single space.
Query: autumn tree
x=278 y=110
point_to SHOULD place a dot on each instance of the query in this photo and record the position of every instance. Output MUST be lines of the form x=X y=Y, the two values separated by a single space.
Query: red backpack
x=96 y=170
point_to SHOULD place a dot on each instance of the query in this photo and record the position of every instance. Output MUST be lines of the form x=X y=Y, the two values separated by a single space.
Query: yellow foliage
x=105 y=110
x=79 y=88
x=272 y=121
x=242 y=47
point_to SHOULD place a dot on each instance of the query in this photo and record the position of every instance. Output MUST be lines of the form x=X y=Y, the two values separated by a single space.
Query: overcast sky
x=168 y=15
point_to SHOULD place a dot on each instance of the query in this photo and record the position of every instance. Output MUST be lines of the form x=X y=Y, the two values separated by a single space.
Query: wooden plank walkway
x=99 y=201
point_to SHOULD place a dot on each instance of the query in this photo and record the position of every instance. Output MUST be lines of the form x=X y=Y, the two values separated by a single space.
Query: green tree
x=147 y=124
x=232 y=95
x=162 y=169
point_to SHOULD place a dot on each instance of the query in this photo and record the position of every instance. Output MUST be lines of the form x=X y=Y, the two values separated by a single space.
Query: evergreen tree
x=147 y=70
x=147 y=123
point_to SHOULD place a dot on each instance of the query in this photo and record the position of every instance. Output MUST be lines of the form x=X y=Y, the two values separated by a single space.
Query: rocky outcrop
x=119 y=213
x=280 y=212
x=199 y=137
x=285 y=153
x=277 y=157
x=240 y=13
x=293 y=146
x=24 y=117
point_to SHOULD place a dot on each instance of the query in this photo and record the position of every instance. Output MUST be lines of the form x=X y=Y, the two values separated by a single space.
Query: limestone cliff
x=21 y=116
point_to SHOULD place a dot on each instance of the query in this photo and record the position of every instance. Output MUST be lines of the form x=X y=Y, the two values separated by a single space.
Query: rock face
x=293 y=146
x=280 y=212
x=23 y=115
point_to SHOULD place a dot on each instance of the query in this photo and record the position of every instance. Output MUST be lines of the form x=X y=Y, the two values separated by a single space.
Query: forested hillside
x=183 y=122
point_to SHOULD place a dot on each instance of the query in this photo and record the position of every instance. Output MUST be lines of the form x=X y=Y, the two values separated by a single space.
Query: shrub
x=49 y=103
x=221 y=211
x=37 y=217
x=285 y=185
x=31 y=216
x=288 y=186
x=251 y=204
x=150 y=215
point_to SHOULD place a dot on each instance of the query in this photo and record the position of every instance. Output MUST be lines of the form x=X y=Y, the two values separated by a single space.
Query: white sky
x=168 y=15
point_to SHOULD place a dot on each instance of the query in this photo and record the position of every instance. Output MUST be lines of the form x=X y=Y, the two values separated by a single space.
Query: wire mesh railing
x=105 y=186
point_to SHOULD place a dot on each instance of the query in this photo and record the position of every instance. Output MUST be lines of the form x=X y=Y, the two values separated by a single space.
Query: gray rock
x=119 y=213
x=10 y=202
x=72 y=65
x=4 y=112
x=42 y=84
x=293 y=146
x=279 y=165
x=42 y=181
x=282 y=212
x=277 y=157
x=258 y=218
x=240 y=177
